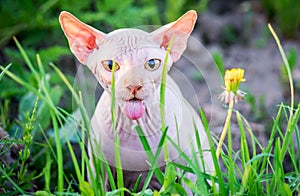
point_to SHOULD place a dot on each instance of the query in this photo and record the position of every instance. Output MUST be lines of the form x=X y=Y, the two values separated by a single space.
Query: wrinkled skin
x=139 y=58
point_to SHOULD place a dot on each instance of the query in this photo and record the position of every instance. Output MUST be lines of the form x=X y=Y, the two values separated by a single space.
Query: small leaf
x=26 y=105
x=287 y=190
x=70 y=128
x=156 y=193
x=149 y=192
x=170 y=176
x=86 y=189
x=43 y=193
x=180 y=189
x=219 y=63
x=190 y=184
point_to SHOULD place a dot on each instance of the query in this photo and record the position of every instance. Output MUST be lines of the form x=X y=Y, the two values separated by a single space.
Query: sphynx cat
x=139 y=57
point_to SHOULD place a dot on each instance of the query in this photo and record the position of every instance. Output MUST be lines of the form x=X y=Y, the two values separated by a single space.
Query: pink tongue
x=134 y=109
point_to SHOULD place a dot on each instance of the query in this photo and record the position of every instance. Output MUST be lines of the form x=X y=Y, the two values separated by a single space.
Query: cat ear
x=180 y=30
x=82 y=38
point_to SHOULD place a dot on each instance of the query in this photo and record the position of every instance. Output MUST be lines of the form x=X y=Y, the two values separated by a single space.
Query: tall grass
x=118 y=163
x=253 y=170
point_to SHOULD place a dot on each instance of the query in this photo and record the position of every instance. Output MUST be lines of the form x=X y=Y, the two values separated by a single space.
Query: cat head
x=138 y=56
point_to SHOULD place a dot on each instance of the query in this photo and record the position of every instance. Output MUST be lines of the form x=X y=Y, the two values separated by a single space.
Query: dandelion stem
x=225 y=128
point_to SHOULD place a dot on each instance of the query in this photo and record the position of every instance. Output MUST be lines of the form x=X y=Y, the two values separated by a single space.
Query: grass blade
x=231 y=167
x=144 y=142
x=163 y=85
x=47 y=171
x=244 y=146
x=60 y=179
x=213 y=153
x=26 y=59
x=289 y=133
x=12 y=181
x=271 y=139
x=137 y=183
x=119 y=171
x=199 y=147
x=292 y=120
x=153 y=167
x=287 y=66
x=4 y=70
x=149 y=153
x=75 y=96
x=82 y=141
x=162 y=97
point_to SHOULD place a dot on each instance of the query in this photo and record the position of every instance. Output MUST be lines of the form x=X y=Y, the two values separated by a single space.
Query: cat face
x=139 y=63
x=138 y=56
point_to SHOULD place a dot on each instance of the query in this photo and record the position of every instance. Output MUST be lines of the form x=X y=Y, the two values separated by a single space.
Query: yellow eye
x=152 y=64
x=108 y=65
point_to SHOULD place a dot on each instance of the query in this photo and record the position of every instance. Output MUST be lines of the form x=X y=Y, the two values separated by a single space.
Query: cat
x=139 y=58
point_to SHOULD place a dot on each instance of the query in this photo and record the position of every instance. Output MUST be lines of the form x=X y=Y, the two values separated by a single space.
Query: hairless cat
x=139 y=58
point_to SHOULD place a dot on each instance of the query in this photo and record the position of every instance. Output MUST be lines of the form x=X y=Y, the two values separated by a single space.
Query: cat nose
x=134 y=88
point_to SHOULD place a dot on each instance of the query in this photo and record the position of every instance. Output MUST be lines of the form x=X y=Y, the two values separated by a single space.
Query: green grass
x=118 y=163
x=252 y=170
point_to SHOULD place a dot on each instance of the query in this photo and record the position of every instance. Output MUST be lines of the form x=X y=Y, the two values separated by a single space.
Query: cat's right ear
x=179 y=30
x=82 y=38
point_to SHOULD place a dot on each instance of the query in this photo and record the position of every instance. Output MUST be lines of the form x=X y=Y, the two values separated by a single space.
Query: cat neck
x=149 y=122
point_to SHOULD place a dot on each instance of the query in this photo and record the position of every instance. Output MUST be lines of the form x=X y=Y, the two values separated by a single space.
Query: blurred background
x=235 y=32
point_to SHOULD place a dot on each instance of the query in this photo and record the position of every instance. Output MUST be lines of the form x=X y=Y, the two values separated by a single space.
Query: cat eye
x=108 y=65
x=152 y=64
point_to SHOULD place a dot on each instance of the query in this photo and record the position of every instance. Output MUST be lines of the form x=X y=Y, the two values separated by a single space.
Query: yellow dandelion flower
x=231 y=95
x=232 y=80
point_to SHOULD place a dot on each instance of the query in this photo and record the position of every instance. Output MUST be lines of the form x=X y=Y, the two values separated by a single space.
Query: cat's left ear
x=180 y=30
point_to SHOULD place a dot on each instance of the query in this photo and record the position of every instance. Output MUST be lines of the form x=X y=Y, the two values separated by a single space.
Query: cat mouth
x=134 y=108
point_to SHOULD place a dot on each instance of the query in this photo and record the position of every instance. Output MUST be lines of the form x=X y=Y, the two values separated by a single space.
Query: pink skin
x=135 y=95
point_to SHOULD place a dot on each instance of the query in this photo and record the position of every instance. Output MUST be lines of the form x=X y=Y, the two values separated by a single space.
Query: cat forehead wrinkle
x=129 y=31
x=126 y=43
x=131 y=59
x=131 y=38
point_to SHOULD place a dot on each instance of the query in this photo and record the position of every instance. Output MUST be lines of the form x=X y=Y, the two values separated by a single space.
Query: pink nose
x=134 y=88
